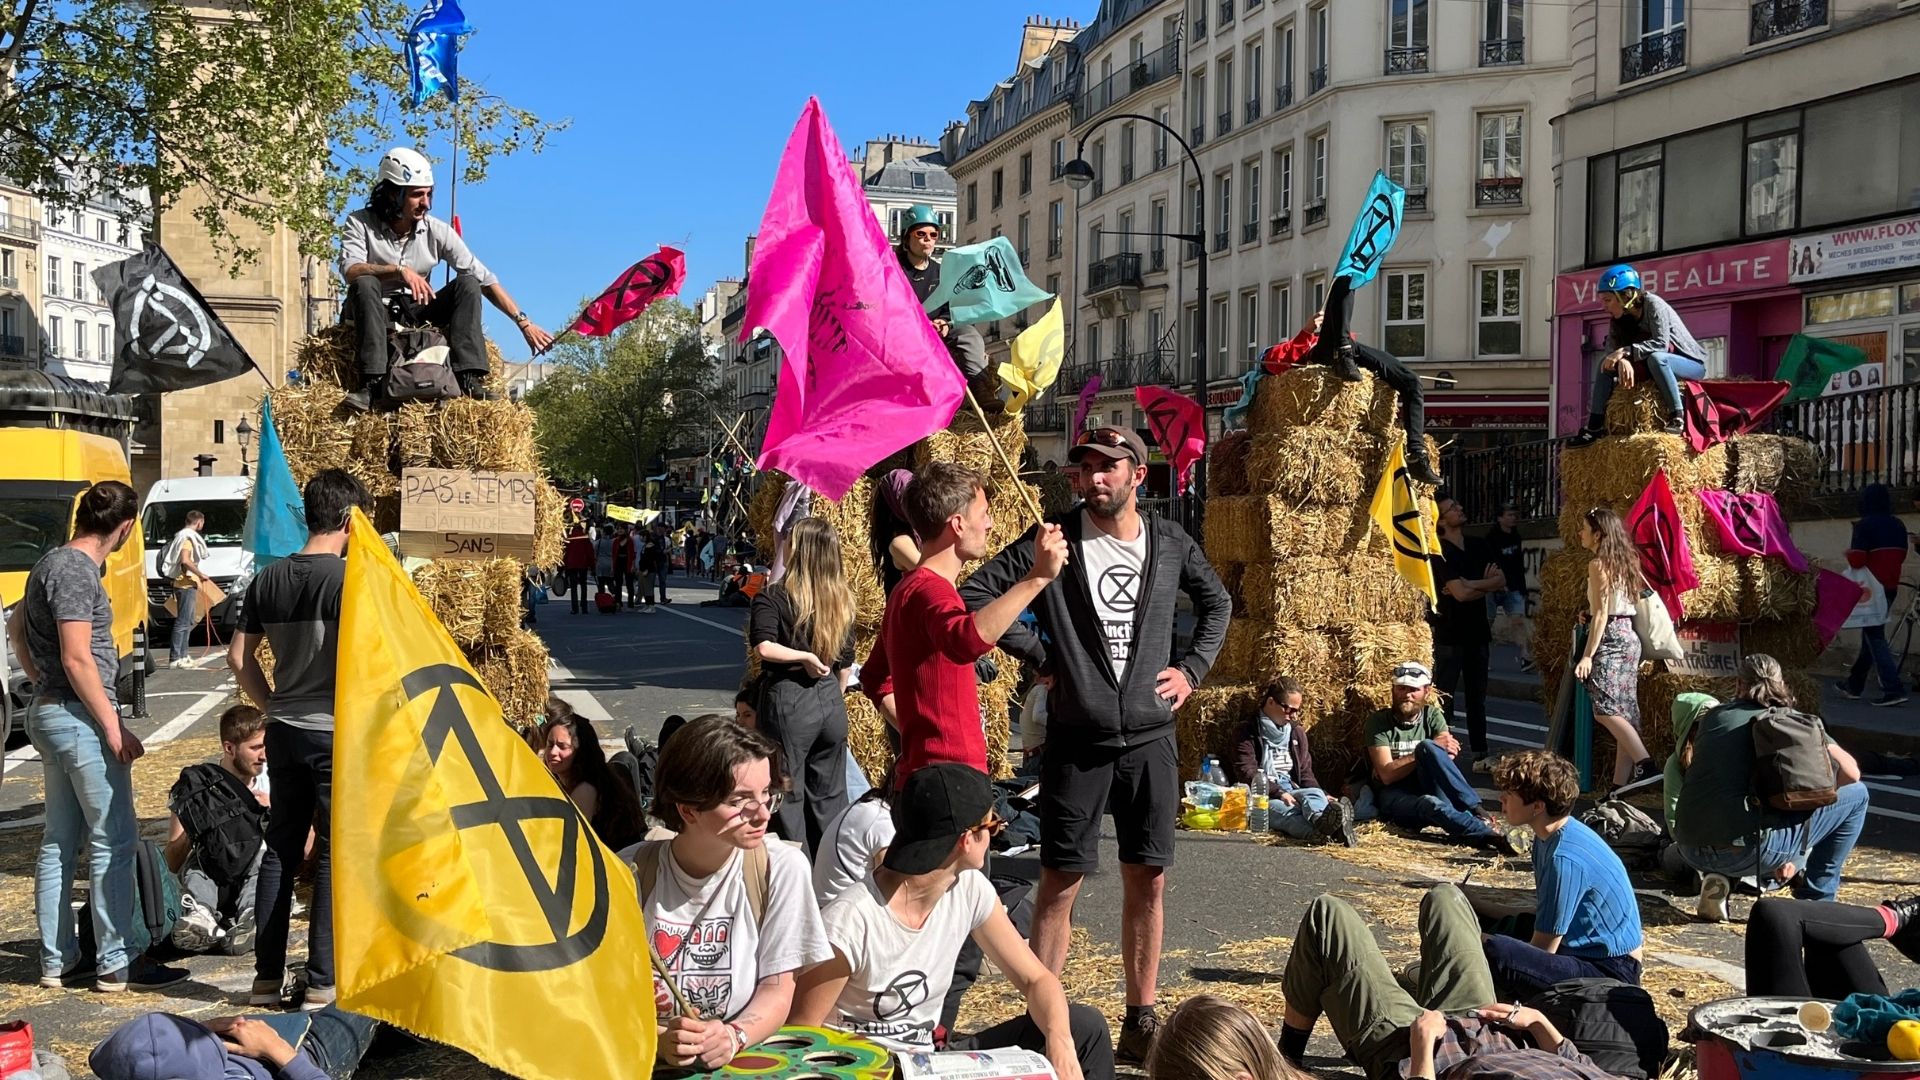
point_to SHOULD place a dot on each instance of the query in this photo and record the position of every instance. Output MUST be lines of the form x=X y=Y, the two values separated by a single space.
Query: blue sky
x=680 y=111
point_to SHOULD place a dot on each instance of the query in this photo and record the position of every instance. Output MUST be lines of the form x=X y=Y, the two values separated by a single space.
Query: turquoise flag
x=983 y=282
x=276 y=515
x=1233 y=414
x=1810 y=361
x=1374 y=232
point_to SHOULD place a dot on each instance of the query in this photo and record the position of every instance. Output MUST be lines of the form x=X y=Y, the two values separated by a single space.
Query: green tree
x=610 y=406
x=273 y=112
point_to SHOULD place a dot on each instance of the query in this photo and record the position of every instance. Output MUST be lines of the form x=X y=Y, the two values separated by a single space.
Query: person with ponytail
x=1610 y=665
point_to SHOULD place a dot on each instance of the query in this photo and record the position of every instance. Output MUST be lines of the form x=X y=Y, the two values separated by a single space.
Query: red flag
x=653 y=277
x=1655 y=526
x=1717 y=411
x=1179 y=426
x=456 y=226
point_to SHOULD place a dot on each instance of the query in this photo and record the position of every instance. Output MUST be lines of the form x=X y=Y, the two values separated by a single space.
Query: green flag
x=1811 y=361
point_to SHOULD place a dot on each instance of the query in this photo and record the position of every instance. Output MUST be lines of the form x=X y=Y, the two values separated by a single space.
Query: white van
x=224 y=500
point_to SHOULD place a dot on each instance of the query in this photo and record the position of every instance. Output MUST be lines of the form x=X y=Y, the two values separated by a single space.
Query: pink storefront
x=1737 y=300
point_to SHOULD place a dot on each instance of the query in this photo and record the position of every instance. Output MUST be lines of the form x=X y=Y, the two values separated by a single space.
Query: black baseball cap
x=1109 y=442
x=940 y=804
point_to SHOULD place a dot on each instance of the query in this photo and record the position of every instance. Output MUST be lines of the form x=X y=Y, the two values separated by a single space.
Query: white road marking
x=1733 y=974
x=671 y=610
x=165 y=733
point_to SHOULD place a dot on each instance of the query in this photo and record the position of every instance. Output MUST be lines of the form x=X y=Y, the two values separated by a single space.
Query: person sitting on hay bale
x=1586 y=923
x=919 y=236
x=1334 y=346
x=1415 y=780
x=1453 y=1027
x=1647 y=335
x=1274 y=744
x=388 y=251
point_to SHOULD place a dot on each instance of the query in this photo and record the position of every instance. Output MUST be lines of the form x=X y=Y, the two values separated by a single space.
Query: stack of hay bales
x=1316 y=596
x=477 y=601
x=1772 y=604
x=965 y=442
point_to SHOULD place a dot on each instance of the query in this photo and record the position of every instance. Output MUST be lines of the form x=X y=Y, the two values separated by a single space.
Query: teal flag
x=1810 y=361
x=983 y=282
x=276 y=515
x=1374 y=232
x=1233 y=415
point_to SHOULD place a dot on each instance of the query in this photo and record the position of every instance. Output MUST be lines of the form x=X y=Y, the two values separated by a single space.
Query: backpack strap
x=756 y=864
x=646 y=867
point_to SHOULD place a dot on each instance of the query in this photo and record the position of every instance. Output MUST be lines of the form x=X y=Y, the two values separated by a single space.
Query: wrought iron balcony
x=1253 y=109
x=9 y=281
x=1407 y=61
x=1220 y=241
x=1498 y=191
x=1126 y=172
x=993 y=331
x=1053 y=248
x=1251 y=4
x=1250 y=232
x=1157 y=66
x=1099 y=186
x=1316 y=213
x=13 y=346
x=1417 y=200
x=1778 y=18
x=15 y=225
x=1281 y=223
x=1226 y=13
x=1160 y=156
x=1199 y=134
x=1157 y=260
x=1653 y=55
x=1316 y=80
x=1026 y=257
x=1223 y=123
x=1282 y=96
x=1051 y=417
x=1504 y=51
x=1119 y=271
x=1149 y=368
x=1199 y=28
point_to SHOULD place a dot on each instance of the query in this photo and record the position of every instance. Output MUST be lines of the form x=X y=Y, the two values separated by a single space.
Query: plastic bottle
x=1219 y=774
x=1258 y=809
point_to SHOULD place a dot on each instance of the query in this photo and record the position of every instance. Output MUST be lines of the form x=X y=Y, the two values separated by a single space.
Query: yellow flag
x=472 y=904
x=1034 y=360
x=1397 y=512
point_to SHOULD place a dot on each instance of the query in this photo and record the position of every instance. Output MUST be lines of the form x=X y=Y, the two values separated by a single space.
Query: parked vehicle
x=224 y=500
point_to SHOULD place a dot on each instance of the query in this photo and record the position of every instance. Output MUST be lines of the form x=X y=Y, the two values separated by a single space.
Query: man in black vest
x=920 y=235
x=216 y=837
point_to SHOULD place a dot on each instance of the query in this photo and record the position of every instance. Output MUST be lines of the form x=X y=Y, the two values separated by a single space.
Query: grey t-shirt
x=296 y=603
x=65 y=587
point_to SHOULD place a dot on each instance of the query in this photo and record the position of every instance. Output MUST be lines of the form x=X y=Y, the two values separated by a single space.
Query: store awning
x=1465 y=409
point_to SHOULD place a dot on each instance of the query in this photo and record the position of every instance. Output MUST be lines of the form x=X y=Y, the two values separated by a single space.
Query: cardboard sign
x=1712 y=650
x=453 y=514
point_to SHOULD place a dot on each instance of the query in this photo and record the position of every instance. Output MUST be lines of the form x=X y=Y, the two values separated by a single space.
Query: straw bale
x=1636 y=410
x=370 y=453
x=966 y=443
x=1328 y=592
x=1793 y=642
x=768 y=488
x=1313 y=394
x=413 y=435
x=1372 y=649
x=1212 y=718
x=1311 y=465
x=1257 y=528
x=386 y=514
x=1747 y=588
x=852 y=521
x=515 y=672
x=502 y=580
x=867 y=737
x=1227 y=464
x=477 y=601
x=1235 y=662
x=1312 y=657
x=549 y=525
x=1056 y=493
x=1563 y=595
x=1786 y=466
x=1230 y=576
x=471 y=434
x=996 y=697
x=311 y=436
x=1613 y=471
x=1235 y=525
x=328 y=356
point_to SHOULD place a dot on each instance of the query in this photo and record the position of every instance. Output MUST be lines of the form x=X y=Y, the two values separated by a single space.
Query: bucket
x=1760 y=1038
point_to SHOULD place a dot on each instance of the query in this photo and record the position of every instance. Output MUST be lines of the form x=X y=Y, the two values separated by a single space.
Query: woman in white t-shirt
x=732 y=916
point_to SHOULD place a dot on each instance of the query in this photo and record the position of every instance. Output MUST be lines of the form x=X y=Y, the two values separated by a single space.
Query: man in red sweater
x=920 y=674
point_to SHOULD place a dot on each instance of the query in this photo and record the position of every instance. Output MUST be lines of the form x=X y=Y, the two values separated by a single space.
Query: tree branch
x=19 y=43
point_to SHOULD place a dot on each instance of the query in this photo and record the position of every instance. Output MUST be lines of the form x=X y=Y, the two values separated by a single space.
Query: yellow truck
x=58 y=436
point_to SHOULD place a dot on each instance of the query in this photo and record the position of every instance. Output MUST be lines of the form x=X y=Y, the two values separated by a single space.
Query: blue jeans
x=1874 y=652
x=1434 y=794
x=1511 y=601
x=856 y=780
x=1297 y=820
x=332 y=1038
x=1818 y=846
x=1520 y=970
x=1665 y=369
x=89 y=802
x=185 y=600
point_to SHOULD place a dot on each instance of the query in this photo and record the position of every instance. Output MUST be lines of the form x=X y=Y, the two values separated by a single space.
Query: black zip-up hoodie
x=1087 y=702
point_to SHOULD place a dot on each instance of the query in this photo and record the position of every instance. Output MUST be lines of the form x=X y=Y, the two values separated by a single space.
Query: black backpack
x=1628 y=830
x=1612 y=1022
x=1791 y=767
x=224 y=821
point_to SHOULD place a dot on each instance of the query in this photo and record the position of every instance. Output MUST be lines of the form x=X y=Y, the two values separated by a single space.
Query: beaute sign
x=1680 y=278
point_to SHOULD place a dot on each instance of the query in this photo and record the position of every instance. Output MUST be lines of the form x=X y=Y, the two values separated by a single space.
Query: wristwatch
x=739 y=1037
x=522 y=319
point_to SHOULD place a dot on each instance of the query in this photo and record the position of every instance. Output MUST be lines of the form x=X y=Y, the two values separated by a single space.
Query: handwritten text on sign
x=454 y=514
x=1712 y=650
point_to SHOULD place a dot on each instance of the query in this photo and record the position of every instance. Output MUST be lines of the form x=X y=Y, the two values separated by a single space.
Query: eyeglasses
x=1290 y=710
x=740 y=804
x=994 y=825
x=1101 y=437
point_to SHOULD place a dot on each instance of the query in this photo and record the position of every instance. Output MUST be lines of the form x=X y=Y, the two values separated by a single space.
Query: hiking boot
x=1136 y=1039
x=1675 y=424
x=1335 y=823
x=317 y=998
x=195 y=932
x=1892 y=697
x=1346 y=362
x=1421 y=469
x=142 y=974
x=371 y=397
x=1714 y=890
x=1512 y=843
x=1840 y=687
x=1645 y=774
x=73 y=976
x=266 y=994
x=1907 y=937
x=473 y=384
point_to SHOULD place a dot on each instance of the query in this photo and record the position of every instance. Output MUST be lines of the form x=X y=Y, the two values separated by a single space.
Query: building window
x=1656 y=38
x=1318 y=72
x=919 y=179
x=1197 y=112
x=6 y=260
x=53 y=335
x=1155 y=321
x=1406 y=36
x=1500 y=316
x=1250 y=324
x=1282 y=190
x=1126 y=153
x=1499 y=182
x=1157 y=243
x=1160 y=137
x=1059 y=155
x=1406 y=314
x=1190 y=329
x=1099 y=163
x=1053 y=284
x=1250 y=192
x=999 y=189
x=1316 y=208
x=1217 y=334
x=973 y=202
x=53 y=276
x=79 y=281
x=1256 y=75
x=1407 y=160
x=1056 y=228
x=1638 y=195
x=1773 y=173
x=106 y=341
x=1197 y=203
x=1094 y=233
x=1223 y=70
x=946 y=224
x=100 y=231
x=1126 y=230
x=1283 y=61
x=1280 y=311
x=1222 y=208
x=1026 y=172
x=1122 y=335
x=1093 y=341
x=79 y=340
x=1504 y=40
x=1317 y=288
x=1022 y=235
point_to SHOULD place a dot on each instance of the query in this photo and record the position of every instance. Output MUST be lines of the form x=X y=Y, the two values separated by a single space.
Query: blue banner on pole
x=1374 y=232
x=433 y=51
x=276 y=514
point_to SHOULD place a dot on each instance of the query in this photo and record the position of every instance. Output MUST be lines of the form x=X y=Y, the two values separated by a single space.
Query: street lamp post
x=1078 y=174
x=245 y=432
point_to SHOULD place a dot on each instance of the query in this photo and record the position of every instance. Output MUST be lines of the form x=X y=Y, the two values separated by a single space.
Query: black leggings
x=1413 y=401
x=1812 y=948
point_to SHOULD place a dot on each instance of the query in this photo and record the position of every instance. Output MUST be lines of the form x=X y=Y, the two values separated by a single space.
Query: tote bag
x=1655 y=627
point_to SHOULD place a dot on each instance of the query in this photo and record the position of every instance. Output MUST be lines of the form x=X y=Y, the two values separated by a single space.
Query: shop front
x=1862 y=286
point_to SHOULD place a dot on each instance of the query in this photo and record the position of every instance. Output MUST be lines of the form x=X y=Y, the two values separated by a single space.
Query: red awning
x=1459 y=410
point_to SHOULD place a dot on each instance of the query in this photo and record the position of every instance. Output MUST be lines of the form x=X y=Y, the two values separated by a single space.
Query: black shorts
x=1139 y=785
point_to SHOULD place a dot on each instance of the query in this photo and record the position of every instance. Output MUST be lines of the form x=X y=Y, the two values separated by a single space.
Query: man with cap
x=896 y=936
x=1106 y=645
x=1410 y=754
x=390 y=248
x=919 y=236
x=323 y=1045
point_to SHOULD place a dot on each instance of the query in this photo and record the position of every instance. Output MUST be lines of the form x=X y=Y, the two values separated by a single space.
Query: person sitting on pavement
x=216 y=836
x=1451 y=1028
x=1211 y=1038
x=1720 y=830
x=571 y=751
x=1415 y=781
x=1586 y=920
x=1647 y=335
x=740 y=588
x=1879 y=545
x=386 y=255
x=323 y=1045
x=909 y=919
x=1274 y=745
x=734 y=914
x=1817 y=948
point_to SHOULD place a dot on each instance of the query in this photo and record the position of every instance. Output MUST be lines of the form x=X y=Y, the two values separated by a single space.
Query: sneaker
x=474 y=385
x=1894 y=697
x=181 y=663
x=1840 y=687
x=1136 y=1039
x=73 y=976
x=238 y=940
x=1645 y=774
x=1676 y=424
x=316 y=998
x=1526 y=663
x=1587 y=437
x=195 y=932
x=1335 y=823
x=1907 y=938
x=266 y=994
x=1714 y=890
x=142 y=974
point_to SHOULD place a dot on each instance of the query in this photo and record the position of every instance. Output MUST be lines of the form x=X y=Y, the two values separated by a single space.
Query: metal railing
x=23 y=227
x=1281 y=223
x=1199 y=133
x=13 y=345
x=1118 y=271
x=1126 y=172
x=1053 y=248
x=1223 y=123
x=1317 y=80
x=1049 y=417
x=1160 y=156
x=1150 y=368
x=1220 y=241
x=1777 y=18
x=1316 y=213
x=1653 y=55
x=1503 y=51
x=1253 y=109
x=1410 y=60
x=1417 y=200
x=1157 y=259
x=1525 y=473
x=1199 y=28
x=9 y=281
x=1157 y=66
x=1250 y=232
x=1498 y=191
x=1026 y=257
x=1282 y=96
x=1226 y=13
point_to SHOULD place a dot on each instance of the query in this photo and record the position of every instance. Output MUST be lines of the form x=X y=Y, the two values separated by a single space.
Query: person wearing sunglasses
x=1274 y=745
x=897 y=935
x=920 y=236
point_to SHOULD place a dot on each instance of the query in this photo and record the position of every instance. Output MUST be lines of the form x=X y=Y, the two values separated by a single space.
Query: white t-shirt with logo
x=1116 y=574
x=847 y=847
x=900 y=975
x=706 y=934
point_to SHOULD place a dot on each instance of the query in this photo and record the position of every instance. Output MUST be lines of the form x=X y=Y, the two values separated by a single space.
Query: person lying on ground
x=1586 y=922
x=1817 y=948
x=216 y=835
x=1452 y=1028
x=1274 y=745
x=1211 y=1038
x=1415 y=781
x=906 y=922
x=326 y=1044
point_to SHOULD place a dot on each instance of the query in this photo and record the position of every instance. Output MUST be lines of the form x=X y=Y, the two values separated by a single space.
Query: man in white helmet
x=390 y=248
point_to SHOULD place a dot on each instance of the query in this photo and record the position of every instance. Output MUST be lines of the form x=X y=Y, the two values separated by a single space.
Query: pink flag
x=1656 y=529
x=1835 y=597
x=653 y=277
x=865 y=372
x=1751 y=525
x=1179 y=426
x=1087 y=394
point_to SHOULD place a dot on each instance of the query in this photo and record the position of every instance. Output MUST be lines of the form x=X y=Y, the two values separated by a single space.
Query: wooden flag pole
x=1025 y=495
x=680 y=1002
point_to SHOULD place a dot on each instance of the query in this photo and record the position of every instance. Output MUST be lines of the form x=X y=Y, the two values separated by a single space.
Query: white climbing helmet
x=406 y=167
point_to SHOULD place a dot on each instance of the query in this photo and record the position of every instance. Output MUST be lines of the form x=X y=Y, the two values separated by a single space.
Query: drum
x=803 y=1053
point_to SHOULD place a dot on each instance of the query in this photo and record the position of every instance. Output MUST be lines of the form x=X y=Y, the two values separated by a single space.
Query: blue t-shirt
x=1584 y=894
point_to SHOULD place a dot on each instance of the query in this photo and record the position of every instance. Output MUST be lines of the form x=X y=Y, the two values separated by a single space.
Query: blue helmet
x=1619 y=278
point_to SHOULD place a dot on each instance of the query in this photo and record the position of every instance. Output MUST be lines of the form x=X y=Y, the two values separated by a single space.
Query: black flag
x=166 y=336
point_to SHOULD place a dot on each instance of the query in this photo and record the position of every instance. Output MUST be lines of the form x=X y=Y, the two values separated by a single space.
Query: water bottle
x=1257 y=805
x=1219 y=777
